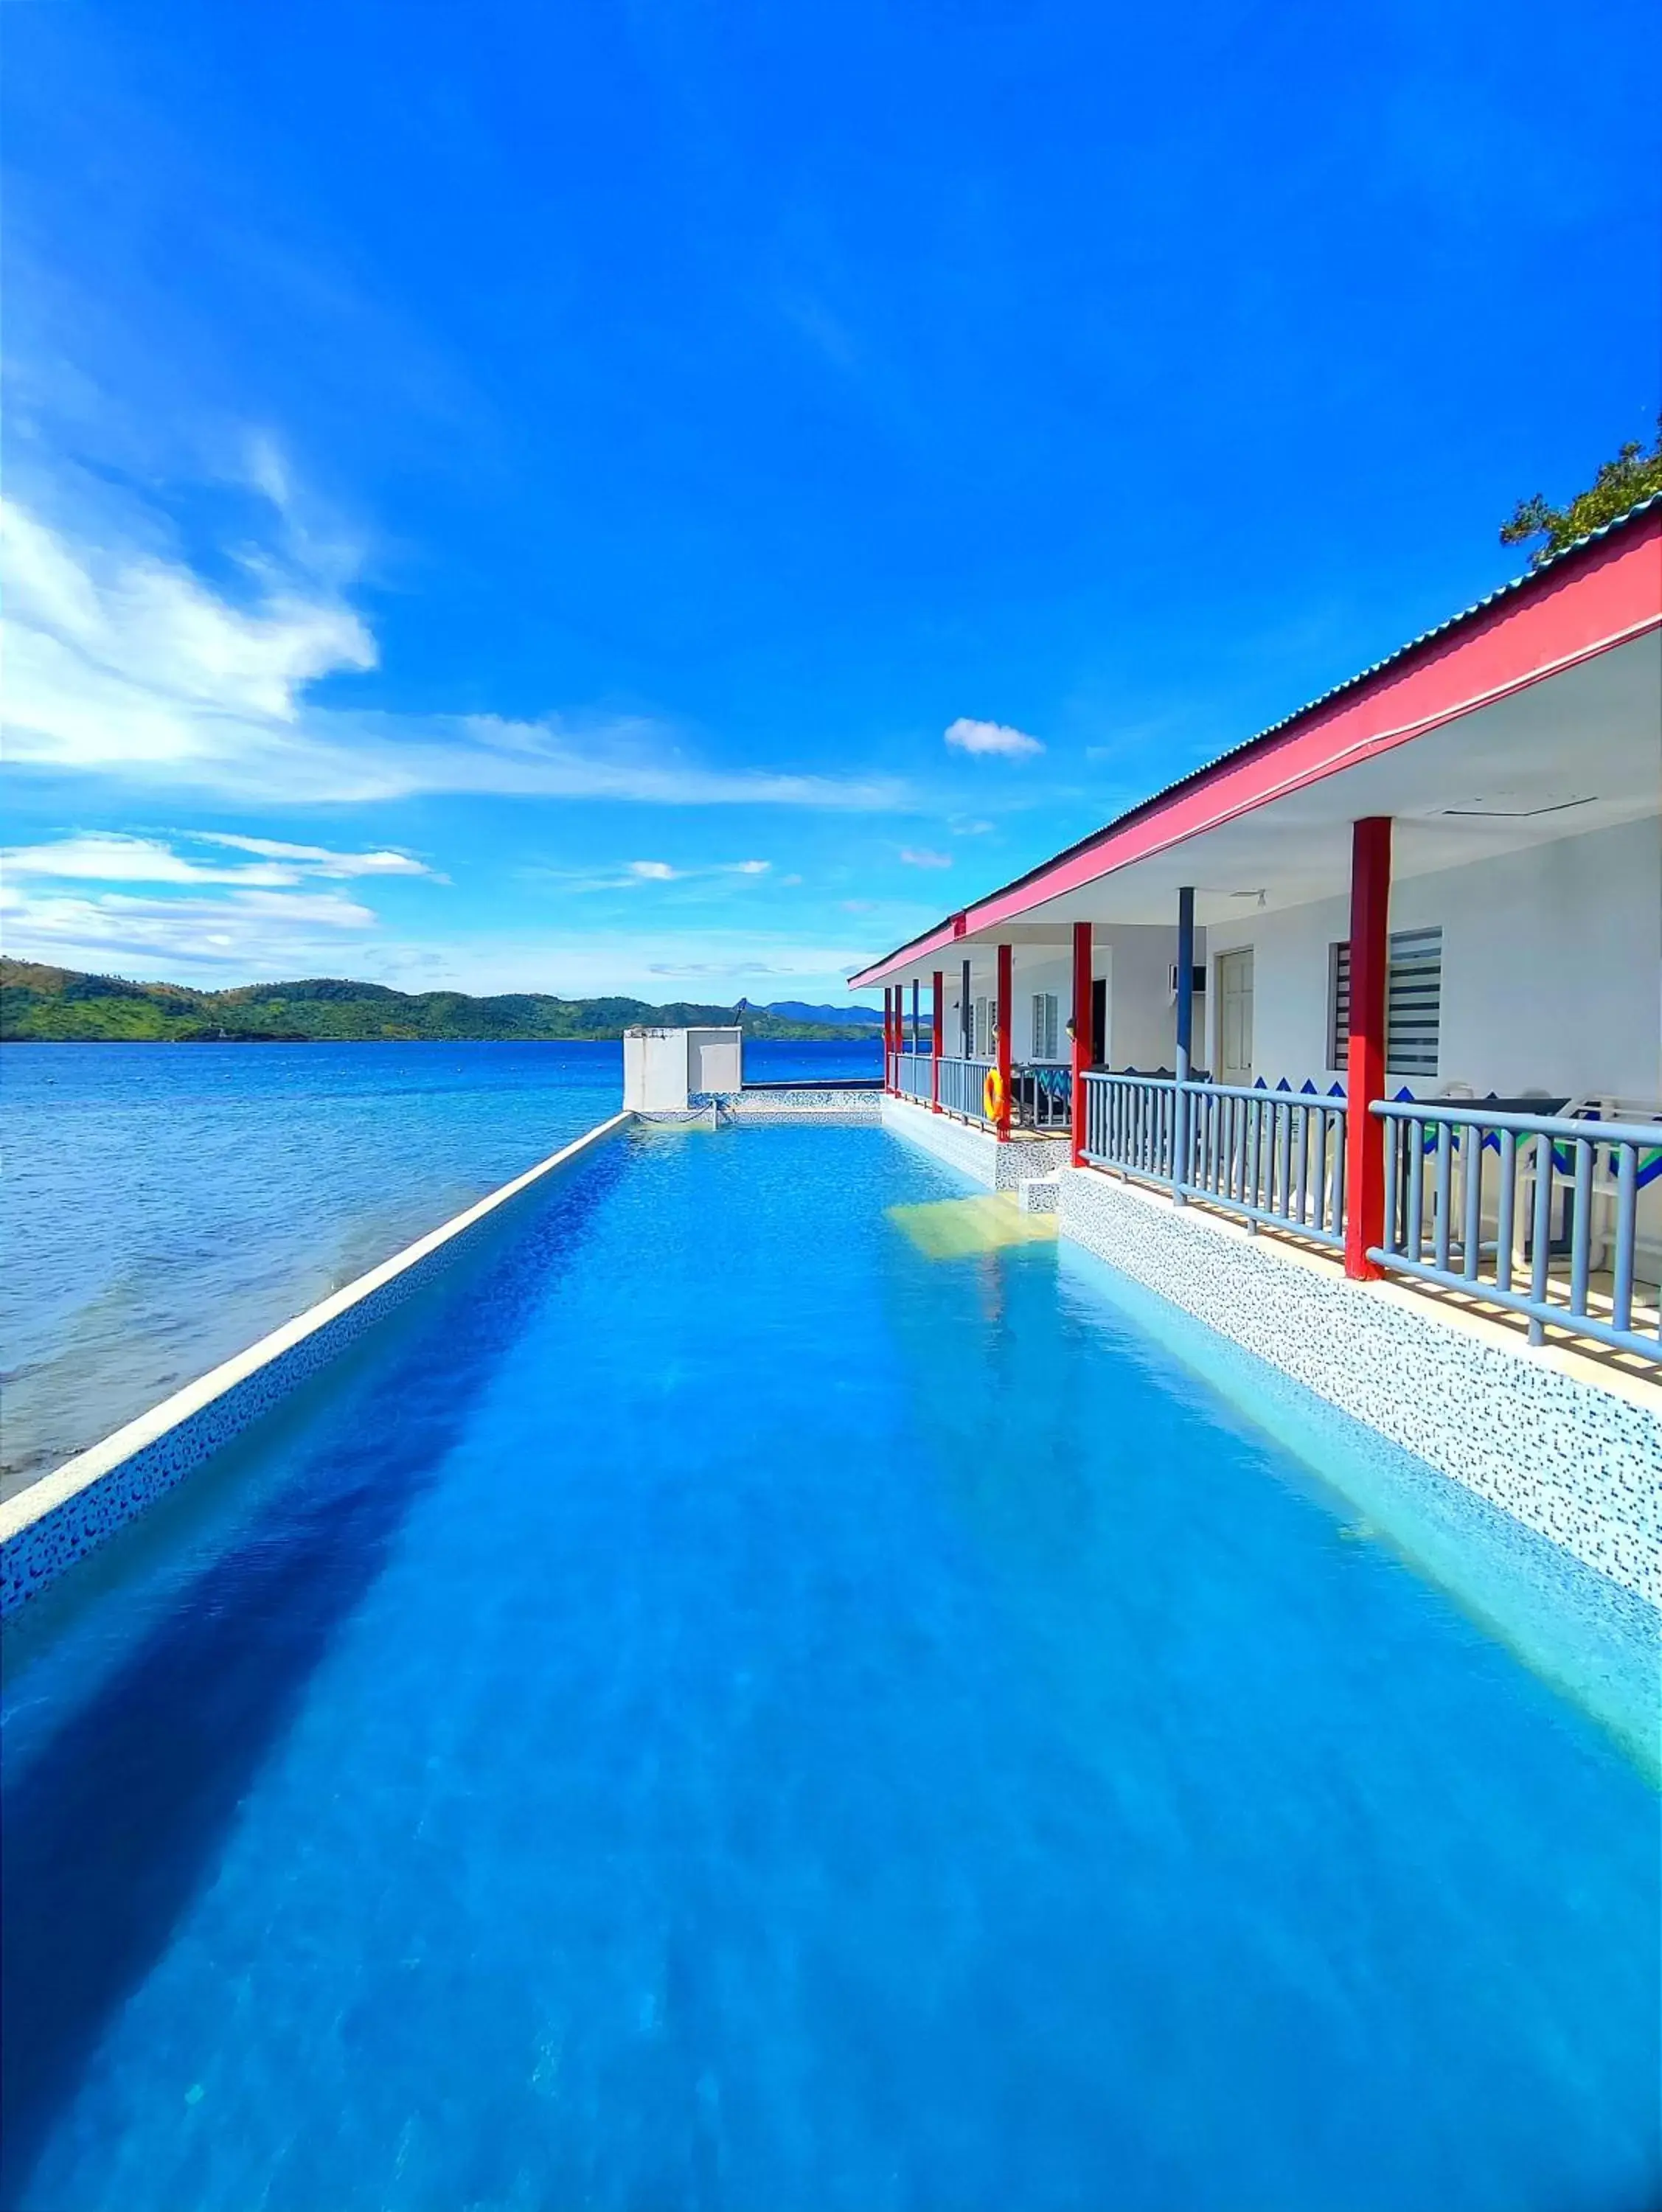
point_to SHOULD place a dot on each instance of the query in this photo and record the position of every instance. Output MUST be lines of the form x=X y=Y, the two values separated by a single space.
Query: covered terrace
x=1386 y=978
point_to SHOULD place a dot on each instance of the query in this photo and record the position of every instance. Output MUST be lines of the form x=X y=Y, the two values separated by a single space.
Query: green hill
x=57 y=1005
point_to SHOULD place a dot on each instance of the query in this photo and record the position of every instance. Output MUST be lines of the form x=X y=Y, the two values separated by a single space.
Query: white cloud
x=996 y=737
x=250 y=933
x=318 y=860
x=638 y=872
x=114 y=859
x=919 y=856
x=123 y=664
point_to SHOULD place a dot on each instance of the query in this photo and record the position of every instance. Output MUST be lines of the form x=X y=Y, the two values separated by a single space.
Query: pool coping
x=50 y=1523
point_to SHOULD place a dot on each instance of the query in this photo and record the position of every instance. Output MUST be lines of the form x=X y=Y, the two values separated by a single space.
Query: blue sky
x=672 y=498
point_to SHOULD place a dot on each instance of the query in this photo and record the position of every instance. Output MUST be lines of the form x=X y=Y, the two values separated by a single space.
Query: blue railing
x=963 y=1083
x=1042 y=1097
x=1556 y=1217
x=1277 y=1158
x=912 y=1077
x=1274 y=1158
x=1041 y=1094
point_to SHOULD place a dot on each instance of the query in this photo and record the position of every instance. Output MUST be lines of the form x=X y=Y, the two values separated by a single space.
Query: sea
x=167 y=1205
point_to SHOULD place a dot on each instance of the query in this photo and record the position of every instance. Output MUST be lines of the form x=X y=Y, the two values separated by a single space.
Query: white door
x=1235 y=1017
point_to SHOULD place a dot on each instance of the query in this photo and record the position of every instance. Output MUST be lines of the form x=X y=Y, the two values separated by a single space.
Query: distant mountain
x=46 y=1005
x=793 y=1009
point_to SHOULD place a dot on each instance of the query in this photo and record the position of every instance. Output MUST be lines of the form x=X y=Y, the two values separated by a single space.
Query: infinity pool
x=714 y=1707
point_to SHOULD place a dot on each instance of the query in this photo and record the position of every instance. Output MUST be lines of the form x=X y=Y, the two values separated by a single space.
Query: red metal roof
x=1595 y=594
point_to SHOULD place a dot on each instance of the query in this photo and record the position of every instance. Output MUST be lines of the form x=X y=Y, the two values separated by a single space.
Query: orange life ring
x=992 y=1095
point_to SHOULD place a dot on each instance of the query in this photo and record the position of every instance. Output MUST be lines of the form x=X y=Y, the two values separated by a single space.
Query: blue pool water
x=168 y=1205
x=712 y=1708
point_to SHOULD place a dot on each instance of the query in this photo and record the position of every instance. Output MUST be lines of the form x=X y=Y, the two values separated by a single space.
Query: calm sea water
x=711 y=1707
x=166 y=1205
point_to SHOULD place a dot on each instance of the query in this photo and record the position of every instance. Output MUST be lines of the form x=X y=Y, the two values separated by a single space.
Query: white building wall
x=1552 y=970
x=1135 y=961
x=1041 y=970
x=1142 y=1009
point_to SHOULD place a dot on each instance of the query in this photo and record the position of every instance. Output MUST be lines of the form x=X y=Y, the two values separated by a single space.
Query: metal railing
x=912 y=1076
x=1539 y=1213
x=1275 y=1156
x=1042 y=1097
x=962 y=1083
x=1130 y=1124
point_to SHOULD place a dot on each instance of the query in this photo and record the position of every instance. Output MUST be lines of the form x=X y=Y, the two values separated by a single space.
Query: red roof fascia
x=1576 y=611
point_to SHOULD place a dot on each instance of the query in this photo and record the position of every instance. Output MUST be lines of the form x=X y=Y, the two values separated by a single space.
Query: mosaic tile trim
x=65 y=1514
x=974 y=1152
x=805 y=1105
x=1577 y=1464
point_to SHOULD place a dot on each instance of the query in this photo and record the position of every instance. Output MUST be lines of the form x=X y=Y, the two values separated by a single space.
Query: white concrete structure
x=664 y=1069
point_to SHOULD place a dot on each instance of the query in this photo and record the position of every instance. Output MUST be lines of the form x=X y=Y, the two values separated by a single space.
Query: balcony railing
x=1554 y=1217
x=1547 y=1215
x=962 y=1084
x=1272 y=1156
x=1041 y=1093
x=911 y=1076
x=1042 y=1097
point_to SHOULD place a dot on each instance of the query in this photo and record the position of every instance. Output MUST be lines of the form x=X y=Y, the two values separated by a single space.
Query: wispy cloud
x=318 y=860
x=996 y=739
x=634 y=875
x=113 y=857
x=195 y=916
x=260 y=932
x=125 y=665
x=919 y=856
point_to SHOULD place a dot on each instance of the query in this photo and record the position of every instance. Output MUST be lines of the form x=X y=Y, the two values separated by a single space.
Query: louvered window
x=1338 y=1005
x=983 y=1049
x=1046 y=1025
x=1413 y=1004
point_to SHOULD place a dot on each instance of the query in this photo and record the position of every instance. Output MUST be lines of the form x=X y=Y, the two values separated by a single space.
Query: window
x=1046 y=1025
x=1414 y=1003
x=1338 y=1005
x=983 y=1043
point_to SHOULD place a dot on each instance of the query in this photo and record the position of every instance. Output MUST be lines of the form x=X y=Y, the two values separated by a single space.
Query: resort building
x=1384 y=981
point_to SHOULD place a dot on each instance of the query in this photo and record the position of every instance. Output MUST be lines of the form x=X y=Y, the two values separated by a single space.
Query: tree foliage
x=1620 y=483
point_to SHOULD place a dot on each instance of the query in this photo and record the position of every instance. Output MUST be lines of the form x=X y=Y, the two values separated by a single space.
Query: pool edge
x=47 y=1526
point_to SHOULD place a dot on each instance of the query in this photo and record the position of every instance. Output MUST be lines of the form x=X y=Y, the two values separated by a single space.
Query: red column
x=937 y=1021
x=888 y=1038
x=1081 y=1031
x=1370 y=957
x=1006 y=1025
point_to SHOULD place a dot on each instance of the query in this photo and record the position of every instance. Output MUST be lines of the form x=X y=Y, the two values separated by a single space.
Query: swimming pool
x=712 y=1706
